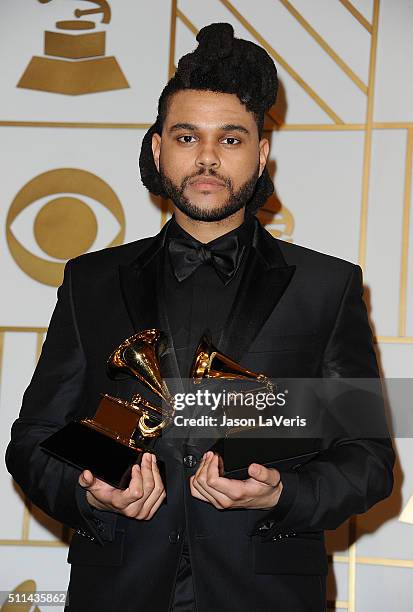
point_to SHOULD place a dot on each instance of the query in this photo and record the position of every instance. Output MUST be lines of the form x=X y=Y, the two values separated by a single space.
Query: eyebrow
x=226 y=127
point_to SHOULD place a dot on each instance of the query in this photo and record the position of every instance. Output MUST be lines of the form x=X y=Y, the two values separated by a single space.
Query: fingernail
x=153 y=458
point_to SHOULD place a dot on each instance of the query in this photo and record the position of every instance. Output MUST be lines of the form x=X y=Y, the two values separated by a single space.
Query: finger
x=208 y=472
x=156 y=474
x=198 y=483
x=121 y=499
x=195 y=493
x=135 y=488
x=157 y=484
x=147 y=475
x=242 y=493
x=268 y=476
x=98 y=492
x=156 y=505
x=200 y=493
x=205 y=485
x=201 y=471
x=94 y=485
x=227 y=493
x=131 y=501
x=143 y=510
x=152 y=504
x=220 y=487
x=204 y=460
x=86 y=479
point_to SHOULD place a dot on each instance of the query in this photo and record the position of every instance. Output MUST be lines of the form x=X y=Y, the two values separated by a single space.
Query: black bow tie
x=187 y=256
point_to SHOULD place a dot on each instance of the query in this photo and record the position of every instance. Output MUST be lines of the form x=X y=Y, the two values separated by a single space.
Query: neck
x=205 y=231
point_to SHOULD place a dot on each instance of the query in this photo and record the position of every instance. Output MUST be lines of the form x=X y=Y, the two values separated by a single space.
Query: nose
x=208 y=157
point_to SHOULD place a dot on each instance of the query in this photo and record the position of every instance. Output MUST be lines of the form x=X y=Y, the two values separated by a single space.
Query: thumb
x=86 y=479
x=267 y=476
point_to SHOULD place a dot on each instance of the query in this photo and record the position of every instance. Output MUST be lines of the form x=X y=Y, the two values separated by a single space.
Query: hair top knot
x=215 y=40
x=227 y=64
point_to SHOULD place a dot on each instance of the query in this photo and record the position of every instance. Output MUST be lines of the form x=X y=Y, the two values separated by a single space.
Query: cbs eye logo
x=55 y=216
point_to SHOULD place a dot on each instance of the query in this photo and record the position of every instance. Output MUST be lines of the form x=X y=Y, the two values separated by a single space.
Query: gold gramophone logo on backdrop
x=406 y=515
x=75 y=72
x=65 y=226
x=19 y=599
x=279 y=221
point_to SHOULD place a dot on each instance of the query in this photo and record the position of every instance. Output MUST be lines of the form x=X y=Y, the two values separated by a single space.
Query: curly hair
x=223 y=64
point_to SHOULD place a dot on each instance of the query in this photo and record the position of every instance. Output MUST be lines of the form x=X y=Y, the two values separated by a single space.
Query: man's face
x=209 y=156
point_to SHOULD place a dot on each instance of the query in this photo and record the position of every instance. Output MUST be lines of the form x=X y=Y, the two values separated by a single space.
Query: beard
x=235 y=201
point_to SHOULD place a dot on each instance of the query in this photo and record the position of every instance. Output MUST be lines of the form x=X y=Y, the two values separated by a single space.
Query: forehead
x=207 y=108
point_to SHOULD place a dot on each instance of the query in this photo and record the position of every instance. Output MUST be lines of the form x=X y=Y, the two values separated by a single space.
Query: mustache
x=211 y=174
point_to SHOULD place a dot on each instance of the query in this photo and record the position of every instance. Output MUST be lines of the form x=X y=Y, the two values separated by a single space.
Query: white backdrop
x=341 y=155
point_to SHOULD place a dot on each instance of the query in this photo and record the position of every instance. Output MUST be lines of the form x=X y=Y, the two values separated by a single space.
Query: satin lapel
x=142 y=290
x=266 y=278
x=139 y=284
x=139 y=290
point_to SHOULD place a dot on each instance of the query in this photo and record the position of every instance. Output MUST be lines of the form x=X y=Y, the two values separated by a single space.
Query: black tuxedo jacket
x=298 y=313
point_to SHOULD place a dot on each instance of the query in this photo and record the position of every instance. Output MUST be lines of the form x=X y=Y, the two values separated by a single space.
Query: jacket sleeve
x=53 y=398
x=354 y=471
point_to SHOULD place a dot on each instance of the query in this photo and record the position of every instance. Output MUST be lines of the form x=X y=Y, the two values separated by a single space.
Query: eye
x=59 y=215
x=233 y=140
x=184 y=137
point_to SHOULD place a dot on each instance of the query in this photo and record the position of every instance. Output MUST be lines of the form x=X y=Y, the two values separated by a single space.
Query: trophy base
x=236 y=454
x=73 y=77
x=88 y=449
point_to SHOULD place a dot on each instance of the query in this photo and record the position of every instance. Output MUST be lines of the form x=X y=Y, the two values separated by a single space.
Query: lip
x=204 y=184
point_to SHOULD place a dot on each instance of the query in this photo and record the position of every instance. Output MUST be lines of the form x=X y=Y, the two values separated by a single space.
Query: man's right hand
x=140 y=500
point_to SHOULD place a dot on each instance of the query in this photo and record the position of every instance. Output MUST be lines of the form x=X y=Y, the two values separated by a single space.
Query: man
x=213 y=542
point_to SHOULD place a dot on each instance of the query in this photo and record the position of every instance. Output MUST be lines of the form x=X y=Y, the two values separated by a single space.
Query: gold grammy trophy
x=208 y=362
x=111 y=442
x=239 y=447
x=82 y=66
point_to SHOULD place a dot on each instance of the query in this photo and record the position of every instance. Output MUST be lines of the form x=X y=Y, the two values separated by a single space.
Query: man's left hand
x=261 y=491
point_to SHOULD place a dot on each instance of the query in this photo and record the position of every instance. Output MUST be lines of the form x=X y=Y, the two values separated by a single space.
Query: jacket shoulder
x=307 y=258
x=111 y=256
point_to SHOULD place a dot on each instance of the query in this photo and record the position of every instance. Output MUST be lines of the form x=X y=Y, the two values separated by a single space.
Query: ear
x=264 y=152
x=156 y=148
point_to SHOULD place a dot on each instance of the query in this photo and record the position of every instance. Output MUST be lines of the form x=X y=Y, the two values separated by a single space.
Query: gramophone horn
x=210 y=363
x=139 y=356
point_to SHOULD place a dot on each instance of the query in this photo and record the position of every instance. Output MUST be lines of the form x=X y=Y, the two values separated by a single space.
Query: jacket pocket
x=83 y=551
x=293 y=555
